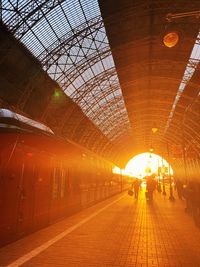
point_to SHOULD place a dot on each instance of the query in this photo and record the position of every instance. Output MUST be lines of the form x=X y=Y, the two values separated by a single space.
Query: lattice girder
x=28 y=15
x=70 y=39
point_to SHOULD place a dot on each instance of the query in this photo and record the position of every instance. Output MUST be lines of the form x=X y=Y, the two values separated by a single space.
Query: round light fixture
x=170 y=39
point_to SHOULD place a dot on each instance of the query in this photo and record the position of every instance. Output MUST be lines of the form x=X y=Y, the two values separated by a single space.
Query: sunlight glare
x=146 y=164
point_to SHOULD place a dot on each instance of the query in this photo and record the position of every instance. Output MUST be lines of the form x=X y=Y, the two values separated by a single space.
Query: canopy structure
x=116 y=88
x=160 y=84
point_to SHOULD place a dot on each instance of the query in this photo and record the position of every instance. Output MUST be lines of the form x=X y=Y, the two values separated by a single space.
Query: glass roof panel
x=69 y=39
x=189 y=71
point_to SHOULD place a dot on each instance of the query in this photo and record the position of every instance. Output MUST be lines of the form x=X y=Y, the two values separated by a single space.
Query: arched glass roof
x=69 y=39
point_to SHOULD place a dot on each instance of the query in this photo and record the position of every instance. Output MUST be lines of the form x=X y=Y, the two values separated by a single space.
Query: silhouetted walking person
x=151 y=185
x=179 y=188
x=136 y=186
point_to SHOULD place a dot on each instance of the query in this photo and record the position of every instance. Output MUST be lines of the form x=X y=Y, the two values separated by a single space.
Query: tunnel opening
x=146 y=164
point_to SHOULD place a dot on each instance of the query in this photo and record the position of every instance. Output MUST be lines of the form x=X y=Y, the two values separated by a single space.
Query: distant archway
x=146 y=164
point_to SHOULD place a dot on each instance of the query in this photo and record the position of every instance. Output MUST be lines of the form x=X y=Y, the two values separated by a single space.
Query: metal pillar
x=163 y=180
x=171 y=196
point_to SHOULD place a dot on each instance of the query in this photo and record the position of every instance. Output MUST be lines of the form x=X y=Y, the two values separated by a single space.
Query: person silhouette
x=136 y=186
x=151 y=186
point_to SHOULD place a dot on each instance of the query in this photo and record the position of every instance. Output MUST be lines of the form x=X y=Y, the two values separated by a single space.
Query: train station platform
x=119 y=231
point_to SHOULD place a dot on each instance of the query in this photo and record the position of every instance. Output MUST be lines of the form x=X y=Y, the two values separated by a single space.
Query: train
x=45 y=178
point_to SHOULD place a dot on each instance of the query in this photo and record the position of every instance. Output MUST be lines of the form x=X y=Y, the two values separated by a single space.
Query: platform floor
x=120 y=231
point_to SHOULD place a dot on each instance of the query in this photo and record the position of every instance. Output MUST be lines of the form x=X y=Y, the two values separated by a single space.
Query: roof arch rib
x=69 y=40
x=23 y=16
x=101 y=101
x=92 y=51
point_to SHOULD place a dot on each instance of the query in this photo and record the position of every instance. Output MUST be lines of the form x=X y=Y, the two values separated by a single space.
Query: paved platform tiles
x=120 y=232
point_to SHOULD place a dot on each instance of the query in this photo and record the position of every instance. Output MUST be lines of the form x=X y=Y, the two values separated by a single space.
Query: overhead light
x=148 y=170
x=170 y=39
x=151 y=149
x=154 y=129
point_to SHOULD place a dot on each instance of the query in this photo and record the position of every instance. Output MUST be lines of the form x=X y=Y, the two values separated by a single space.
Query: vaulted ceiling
x=119 y=79
x=150 y=73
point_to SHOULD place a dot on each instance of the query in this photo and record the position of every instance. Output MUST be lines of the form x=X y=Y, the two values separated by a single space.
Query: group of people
x=189 y=191
x=150 y=187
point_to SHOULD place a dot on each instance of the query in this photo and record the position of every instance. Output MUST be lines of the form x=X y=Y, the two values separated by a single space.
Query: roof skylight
x=189 y=71
x=69 y=39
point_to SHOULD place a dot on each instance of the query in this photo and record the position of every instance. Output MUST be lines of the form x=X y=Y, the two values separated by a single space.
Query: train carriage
x=45 y=178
